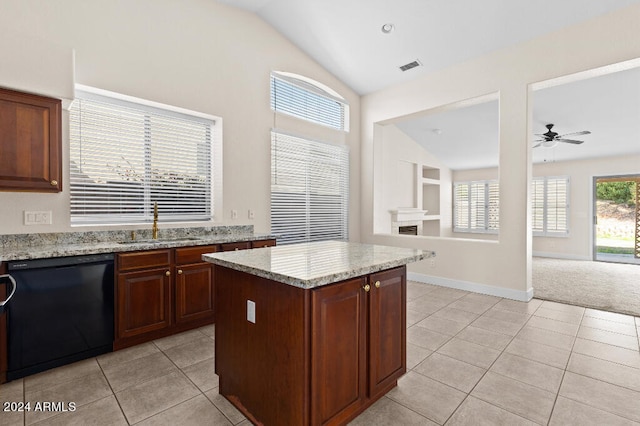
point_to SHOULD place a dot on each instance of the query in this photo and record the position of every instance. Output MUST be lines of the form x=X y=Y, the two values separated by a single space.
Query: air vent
x=410 y=65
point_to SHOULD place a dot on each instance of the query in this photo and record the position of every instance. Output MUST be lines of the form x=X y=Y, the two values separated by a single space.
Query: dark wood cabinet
x=30 y=142
x=263 y=243
x=194 y=285
x=387 y=330
x=143 y=286
x=338 y=371
x=242 y=245
x=162 y=292
x=327 y=353
x=144 y=302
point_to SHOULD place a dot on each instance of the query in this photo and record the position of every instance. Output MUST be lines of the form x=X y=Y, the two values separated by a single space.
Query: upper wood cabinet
x=30 y=142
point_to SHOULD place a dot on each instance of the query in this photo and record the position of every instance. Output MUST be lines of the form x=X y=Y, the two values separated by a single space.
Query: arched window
x=309 y=100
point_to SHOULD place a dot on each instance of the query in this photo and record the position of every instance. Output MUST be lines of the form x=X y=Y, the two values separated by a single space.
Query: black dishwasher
x=62 y=312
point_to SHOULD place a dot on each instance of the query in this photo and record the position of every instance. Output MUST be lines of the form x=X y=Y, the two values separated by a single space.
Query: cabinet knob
x=54 y=183
x=367 y=287
x=167 y=273
x=179 y=271
x=377 y=284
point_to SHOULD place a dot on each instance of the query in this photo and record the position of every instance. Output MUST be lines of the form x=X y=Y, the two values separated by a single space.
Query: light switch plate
x=37 y=218
x=251 y=311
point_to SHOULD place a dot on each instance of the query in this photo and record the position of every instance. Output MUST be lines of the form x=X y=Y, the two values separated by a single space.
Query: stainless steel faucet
x=154 y=229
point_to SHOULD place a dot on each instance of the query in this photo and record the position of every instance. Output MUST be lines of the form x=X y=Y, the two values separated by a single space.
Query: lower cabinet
x=162 y=292
x=309 y=356
x=195 y=289
x=359 y=343
x=144 y=301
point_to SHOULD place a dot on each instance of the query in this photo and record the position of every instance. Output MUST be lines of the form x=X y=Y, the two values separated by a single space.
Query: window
x=476 y=206
x=309 y=190
x=127 y=153
x=550 y=206
x=306 y=99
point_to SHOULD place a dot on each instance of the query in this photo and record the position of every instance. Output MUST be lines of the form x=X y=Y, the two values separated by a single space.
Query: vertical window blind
x=125 y=156
x=476 y=206
x=309 y=190
x=550 y=205
x=303 y=100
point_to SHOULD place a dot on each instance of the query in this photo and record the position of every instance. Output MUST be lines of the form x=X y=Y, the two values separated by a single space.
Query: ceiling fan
x=551 y=138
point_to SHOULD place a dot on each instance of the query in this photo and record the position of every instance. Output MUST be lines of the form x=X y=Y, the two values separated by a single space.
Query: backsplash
x=15 y=241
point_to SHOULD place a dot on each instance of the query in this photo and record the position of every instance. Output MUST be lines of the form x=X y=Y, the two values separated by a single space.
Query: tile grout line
x=489 y=368
x=564 y=371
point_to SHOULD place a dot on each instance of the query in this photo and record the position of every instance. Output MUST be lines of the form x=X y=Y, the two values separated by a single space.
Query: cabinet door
x=30 y=147
x=144 y=301
x=338 y=345
x=387 y=329
x=194 y=292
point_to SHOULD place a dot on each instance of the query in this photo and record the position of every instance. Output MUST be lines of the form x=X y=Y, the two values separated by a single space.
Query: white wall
x=400 y=155
x=504 y=266
x=195 y=54
x=579 y=243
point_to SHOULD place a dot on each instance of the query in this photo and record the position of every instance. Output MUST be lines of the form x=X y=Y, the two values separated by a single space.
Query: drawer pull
x=377 y=284
x=179 y=271
x=168 y=273
x=367 y=288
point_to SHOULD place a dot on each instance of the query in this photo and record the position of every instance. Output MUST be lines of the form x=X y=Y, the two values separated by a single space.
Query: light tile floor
x=472 y=359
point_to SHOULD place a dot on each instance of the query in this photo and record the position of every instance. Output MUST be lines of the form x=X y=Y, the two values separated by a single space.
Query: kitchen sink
x=160 y=240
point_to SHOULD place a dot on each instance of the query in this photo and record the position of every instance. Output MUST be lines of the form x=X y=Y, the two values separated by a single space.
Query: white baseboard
x=507 y=293
x=555 y=255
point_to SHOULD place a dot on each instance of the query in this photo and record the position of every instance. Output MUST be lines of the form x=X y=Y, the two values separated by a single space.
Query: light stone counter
x=41 y=246
x=310 y=265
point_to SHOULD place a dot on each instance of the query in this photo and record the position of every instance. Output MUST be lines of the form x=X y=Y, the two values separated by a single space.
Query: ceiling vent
x=410 y=65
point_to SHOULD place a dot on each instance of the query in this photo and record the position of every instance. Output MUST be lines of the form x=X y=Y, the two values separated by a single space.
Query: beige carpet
x=607 y=286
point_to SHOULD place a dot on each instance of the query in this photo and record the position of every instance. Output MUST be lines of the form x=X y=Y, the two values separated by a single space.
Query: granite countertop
x=40 y=246
x=310 y=265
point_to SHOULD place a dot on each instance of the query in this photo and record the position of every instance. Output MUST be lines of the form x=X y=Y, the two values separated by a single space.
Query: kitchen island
x=313 y=333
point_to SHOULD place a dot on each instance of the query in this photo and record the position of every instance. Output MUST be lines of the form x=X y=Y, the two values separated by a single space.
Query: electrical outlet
x=432 y=263
x=251 y=311
x=37 y=218
x=234 y=214
x=251 y=214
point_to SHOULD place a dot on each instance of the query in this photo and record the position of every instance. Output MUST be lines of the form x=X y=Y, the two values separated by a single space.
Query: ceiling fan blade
x=540 y=140
x=584 y=132
x=537 y=145
x=570 y=141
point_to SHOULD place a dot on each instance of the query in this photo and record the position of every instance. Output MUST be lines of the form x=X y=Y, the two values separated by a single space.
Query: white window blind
x=476 y=206
x=124 y=156
x=302 y=99
x=309 y=190
x=550 y=205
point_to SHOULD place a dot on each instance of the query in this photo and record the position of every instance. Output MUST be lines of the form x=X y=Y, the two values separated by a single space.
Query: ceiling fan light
x=550 y=144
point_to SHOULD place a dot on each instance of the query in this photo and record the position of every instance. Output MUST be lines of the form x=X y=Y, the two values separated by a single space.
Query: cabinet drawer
x=236 y=246
x=187 y=255
x=144 y=259
x=263 y=243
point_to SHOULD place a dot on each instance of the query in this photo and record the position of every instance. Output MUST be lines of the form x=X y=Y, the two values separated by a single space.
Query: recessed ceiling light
x=387 y=28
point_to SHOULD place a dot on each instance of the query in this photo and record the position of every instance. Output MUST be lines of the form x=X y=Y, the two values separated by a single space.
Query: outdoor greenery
x=618 y=192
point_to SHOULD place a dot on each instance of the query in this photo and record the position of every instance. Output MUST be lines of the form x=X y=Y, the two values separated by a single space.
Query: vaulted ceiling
x=346 y=38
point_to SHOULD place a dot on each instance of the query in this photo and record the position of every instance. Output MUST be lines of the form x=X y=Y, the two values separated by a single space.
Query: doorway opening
x=617 y=219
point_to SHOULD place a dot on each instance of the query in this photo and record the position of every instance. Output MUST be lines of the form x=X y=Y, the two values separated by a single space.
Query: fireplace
x=407 y=221
x=408 y=230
